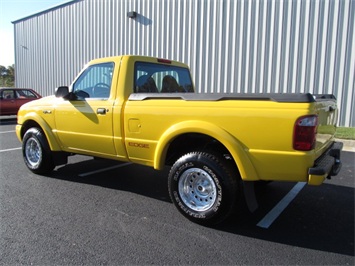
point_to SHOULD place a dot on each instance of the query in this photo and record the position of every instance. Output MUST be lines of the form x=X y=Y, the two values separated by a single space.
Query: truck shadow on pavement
x=320 y=218
x=133 y=178
x=9 y=120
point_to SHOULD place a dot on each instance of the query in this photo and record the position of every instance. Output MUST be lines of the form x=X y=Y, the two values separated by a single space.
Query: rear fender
x=236 y=148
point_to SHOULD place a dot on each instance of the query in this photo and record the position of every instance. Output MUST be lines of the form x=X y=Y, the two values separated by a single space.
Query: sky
x=11 y=10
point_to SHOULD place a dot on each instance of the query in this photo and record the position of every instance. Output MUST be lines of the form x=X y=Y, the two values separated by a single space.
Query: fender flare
x=233 y=145
x=47 y=130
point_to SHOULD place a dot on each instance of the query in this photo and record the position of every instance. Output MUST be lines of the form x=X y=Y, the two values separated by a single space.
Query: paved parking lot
x=93 y=212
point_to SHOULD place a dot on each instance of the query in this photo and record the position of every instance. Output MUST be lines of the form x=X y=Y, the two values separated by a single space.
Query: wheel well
x=192 y=142
x=27 y=125
x=59 y=157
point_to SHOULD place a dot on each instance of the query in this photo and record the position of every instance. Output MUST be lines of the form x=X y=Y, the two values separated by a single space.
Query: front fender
x=237 y=150
x=32 y=118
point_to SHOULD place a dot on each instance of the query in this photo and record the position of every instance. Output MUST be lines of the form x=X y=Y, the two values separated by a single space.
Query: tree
x=7 y=76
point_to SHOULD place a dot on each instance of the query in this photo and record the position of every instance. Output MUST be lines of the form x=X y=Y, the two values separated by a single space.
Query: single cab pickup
x=145 y=110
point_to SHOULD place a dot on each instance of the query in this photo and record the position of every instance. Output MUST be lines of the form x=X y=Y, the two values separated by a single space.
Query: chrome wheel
x=33 y=152
x=36 y=152
x=203 y=187
x=197 y=189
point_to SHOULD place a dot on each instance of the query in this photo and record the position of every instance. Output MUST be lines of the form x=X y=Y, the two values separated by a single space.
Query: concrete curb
x=349 y=145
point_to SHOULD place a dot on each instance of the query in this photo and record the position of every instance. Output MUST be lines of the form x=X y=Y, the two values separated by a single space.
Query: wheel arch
x=192 y=135
x=34 y=120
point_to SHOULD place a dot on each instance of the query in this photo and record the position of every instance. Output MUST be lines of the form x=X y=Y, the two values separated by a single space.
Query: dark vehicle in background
x=12 y=98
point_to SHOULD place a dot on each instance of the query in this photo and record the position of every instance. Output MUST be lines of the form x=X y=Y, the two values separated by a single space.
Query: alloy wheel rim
x=33 y=152
x=197 y=189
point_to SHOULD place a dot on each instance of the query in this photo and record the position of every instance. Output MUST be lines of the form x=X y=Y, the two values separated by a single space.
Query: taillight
x=304 y=134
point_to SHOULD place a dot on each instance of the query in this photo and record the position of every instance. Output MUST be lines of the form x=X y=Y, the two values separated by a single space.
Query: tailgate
x=327 y=111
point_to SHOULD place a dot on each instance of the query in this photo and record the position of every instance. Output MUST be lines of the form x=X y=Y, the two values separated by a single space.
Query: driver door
x=84 y=125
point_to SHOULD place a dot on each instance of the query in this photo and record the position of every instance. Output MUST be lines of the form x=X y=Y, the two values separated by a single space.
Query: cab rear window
x=159 y=78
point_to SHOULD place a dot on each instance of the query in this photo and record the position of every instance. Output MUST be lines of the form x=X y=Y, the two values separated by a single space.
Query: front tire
x=204 y=187
x=36 y=152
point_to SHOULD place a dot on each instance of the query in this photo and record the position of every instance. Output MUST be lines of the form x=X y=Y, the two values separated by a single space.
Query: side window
x=8 y=94
x=25 y=94
x=150 y=77
x=95 y=81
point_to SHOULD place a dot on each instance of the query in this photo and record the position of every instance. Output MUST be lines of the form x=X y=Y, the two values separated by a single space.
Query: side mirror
x=61 y=92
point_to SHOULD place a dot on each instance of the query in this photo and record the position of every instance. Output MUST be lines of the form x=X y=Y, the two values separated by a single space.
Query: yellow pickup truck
x=145 y=110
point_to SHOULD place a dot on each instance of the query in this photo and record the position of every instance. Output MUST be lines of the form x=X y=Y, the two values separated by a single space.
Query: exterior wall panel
x=230 y=46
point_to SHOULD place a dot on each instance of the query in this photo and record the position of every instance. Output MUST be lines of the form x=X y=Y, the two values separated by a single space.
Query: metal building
x=230 y=45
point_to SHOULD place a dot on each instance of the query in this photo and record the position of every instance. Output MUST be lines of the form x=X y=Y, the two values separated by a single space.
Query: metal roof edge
x=46 y=10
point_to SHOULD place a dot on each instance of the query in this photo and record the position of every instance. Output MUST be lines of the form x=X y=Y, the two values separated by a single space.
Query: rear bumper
x=327 y=165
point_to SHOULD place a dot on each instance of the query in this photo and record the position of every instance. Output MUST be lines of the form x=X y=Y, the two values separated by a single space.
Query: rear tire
x=204 y=187
x=36 y=152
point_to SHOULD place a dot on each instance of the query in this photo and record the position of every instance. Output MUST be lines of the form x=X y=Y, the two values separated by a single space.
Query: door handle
x=101 y=111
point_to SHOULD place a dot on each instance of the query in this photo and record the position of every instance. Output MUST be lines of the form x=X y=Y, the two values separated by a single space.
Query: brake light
x=165 y=61
x=304 y=134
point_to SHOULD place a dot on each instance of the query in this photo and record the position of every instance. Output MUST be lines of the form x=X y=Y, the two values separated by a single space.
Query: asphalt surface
x=96 y=212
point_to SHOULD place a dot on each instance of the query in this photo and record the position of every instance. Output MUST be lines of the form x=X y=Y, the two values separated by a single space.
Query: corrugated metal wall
x=231 y=46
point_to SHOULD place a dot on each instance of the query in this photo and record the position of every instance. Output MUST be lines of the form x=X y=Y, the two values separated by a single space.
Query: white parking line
x=12 y=131
x=281 y=206
x=13 y=149
x=104 y=169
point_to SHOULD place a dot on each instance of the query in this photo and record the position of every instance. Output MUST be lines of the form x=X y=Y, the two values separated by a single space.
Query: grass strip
x=345 y=133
